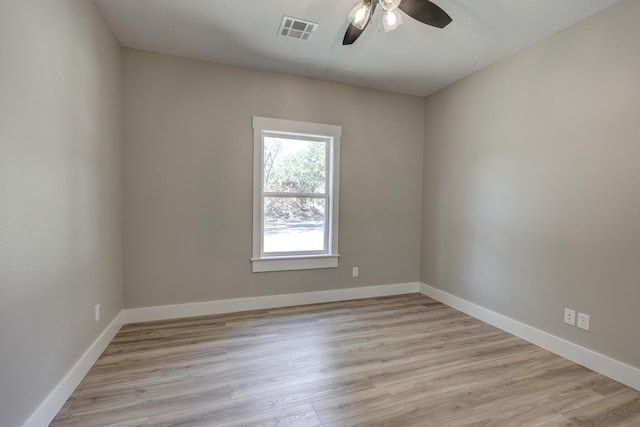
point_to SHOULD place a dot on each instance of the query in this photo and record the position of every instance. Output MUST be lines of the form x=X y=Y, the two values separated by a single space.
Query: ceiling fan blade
x=353 y=33
x=426 y=12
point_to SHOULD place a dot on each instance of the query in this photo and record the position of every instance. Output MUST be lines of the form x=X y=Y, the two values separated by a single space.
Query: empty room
x=319 y=213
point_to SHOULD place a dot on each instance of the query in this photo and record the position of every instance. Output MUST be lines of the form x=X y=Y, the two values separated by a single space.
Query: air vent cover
x=296 y=28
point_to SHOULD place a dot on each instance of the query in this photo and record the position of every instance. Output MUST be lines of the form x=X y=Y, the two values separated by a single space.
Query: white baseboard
x=614 y=369
x=59 y=395
x=600 y=363
x=145 y=314
x=52 y=404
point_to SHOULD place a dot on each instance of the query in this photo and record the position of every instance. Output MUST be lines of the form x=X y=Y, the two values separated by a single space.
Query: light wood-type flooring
x=394 y=361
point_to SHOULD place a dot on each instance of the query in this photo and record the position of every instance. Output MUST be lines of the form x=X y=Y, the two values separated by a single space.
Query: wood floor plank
x=297 y=416
x=422 y=413
x=454 y=381
x=233 y=410
x=403 y=360
x=622 y=408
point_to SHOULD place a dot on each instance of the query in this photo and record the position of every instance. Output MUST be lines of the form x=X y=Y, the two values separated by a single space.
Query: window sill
x=307 y=262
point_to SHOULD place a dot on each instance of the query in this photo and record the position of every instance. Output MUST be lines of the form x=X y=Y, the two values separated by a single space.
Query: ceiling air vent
x=296 y=28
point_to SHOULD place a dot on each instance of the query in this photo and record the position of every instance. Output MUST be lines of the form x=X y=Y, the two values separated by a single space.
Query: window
x=295 y=194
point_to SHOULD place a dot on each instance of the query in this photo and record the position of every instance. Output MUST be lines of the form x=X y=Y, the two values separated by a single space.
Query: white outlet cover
x=97 y=312
x=583 y=321
x=570 y=316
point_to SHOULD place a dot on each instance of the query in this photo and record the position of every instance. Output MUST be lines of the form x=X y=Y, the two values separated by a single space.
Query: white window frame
x=261 y=262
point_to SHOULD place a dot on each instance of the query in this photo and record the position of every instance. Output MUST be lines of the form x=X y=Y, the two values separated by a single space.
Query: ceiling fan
x=421 y=10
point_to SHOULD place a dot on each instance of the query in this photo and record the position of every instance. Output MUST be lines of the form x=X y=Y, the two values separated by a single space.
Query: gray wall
x=531 y=196
x=60 y=193
x=188 y=179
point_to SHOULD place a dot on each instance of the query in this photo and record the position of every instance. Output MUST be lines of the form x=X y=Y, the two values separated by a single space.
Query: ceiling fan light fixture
x=423 y=11
x=359 y=15
x=388 y=5
x=391 y=20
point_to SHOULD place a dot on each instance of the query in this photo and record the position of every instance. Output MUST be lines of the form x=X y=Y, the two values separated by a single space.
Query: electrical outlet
x=97 y=312
x=355 y=272
x=583 y=321
x=570 y=316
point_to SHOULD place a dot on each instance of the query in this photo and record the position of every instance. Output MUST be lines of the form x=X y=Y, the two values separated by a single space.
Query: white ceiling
x=414 y=59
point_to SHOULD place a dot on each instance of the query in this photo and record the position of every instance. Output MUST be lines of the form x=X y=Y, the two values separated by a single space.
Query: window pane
x=294 y=166
x=293 y=224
